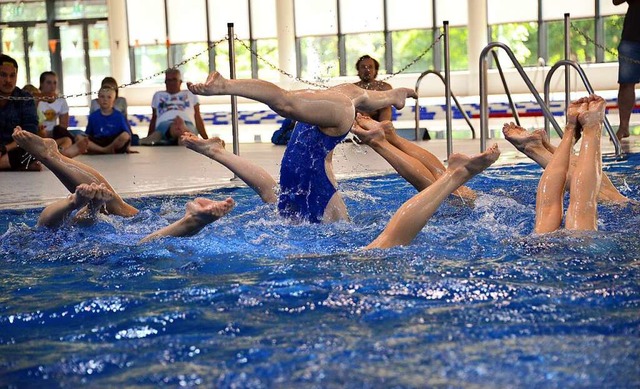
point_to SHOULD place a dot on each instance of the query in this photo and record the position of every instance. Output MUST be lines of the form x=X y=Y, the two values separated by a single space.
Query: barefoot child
x=107 y=129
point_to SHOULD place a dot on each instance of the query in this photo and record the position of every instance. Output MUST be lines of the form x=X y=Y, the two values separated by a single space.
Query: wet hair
x=6 y=59
x=366 y=56
x=44 y=75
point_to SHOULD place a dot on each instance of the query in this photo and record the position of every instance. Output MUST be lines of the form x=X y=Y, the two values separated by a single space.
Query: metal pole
x=567 y=68
x=587 y=84
x=447 y=88
x=234 y=99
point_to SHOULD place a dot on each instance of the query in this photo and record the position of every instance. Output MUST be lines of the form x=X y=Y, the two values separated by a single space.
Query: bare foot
x=208 y=147
x=40 y=148
x=523 y=140
x=368 y=130
x=593 y=115
x=401 y=95
x=214 y=85
x=475 y=164
x=94 y=196
x=80 y=147
x=545 y=140
x=622 y=133
x=97 y=194
x=207 y=211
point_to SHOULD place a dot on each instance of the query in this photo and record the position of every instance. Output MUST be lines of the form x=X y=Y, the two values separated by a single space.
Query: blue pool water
x=252 y=301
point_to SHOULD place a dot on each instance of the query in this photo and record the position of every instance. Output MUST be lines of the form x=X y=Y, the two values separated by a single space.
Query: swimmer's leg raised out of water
x=70 y=172
x=582 y=213
x=333 y=110
x=412 y=216
x=430 y=161
x=90 y=198
x=371 y=132
x=253 y=175
x=551 y=187
x=199 y=213
x=536 y=146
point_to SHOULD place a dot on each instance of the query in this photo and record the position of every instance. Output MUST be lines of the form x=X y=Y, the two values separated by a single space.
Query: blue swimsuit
x=305 y=189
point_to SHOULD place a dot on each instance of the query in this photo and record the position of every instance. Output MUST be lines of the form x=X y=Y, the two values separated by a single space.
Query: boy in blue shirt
x=107 y=128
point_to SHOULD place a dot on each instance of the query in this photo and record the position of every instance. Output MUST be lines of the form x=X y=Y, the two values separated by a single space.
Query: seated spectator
x=19 y=112
x=175 y=112
x=107 y=129
x=56 y=117
x=120 y=104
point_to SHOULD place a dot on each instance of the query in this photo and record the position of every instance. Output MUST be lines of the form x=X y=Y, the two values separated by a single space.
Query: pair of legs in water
x=581 y=174
x=90 y=193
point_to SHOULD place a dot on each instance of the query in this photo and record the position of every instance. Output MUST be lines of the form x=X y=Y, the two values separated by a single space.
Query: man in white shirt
x=175 y=112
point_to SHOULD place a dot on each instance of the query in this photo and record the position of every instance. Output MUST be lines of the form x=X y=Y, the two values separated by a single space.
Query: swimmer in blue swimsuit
x=307 y=185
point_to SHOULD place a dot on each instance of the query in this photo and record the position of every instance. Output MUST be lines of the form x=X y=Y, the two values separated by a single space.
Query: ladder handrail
x=484 y=106
x=587 y=85
x=455 y=99
x=514 y=110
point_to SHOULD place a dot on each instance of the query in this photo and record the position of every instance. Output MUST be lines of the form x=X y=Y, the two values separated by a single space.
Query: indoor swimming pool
x=253 y=301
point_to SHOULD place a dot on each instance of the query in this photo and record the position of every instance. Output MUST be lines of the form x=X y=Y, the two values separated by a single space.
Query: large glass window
x=268 y=50
x=350 y=24
x=582 y=50
x=99 y=54
x=12 y=44
x=521 y=38
x=149 y=60
x=86 y=9
x=360 y=44
x=315 y=17
x=458 y=49
x=319 y=58
x=147 y=30
x=197 y=67
x=39 y=55
x=407 y=46
x=612 y=31
x=186 y=27
x=23 y=11
x=242 y=63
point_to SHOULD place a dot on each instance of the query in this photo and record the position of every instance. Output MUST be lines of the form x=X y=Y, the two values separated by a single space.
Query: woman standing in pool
x=307 y=184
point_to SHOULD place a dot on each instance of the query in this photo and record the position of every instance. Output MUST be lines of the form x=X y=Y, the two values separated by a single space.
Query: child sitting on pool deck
x=107 y=129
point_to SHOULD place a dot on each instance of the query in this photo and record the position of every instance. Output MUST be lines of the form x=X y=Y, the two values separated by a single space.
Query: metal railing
x=417 y=111
x=484 y=106
x=567 y=63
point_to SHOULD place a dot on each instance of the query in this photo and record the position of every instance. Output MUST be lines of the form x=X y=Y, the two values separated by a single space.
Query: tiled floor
x=174 y=169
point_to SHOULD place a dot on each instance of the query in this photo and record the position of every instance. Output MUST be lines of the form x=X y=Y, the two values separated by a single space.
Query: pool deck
x=175 y=169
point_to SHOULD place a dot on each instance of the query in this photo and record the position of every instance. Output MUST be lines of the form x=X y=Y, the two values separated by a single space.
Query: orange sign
x=96 y=44
x=53 y=45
